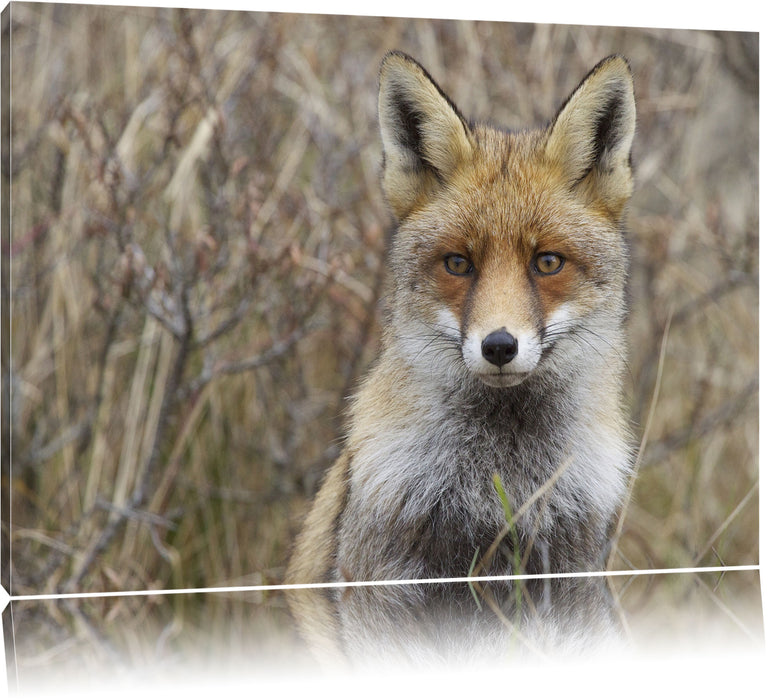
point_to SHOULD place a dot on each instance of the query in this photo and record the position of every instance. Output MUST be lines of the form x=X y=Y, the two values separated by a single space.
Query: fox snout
x=499 y=347
x=501 y=357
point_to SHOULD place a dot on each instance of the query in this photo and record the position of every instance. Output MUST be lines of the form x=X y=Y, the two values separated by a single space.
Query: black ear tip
x=397 y=54
x=396 y=58
x=616 y=64
x=616 y=67
x=612 y=60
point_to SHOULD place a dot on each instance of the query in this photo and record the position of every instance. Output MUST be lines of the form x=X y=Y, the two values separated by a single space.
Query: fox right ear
x=424 y=136
x=590 y=138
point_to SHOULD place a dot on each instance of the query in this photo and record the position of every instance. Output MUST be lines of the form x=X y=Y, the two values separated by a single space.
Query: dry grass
x=194 y=269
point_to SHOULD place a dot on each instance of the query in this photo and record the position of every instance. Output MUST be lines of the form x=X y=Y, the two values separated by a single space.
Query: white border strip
x=401 y=582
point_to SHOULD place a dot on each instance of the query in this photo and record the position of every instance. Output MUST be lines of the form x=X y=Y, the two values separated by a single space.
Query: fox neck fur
x=422 y=460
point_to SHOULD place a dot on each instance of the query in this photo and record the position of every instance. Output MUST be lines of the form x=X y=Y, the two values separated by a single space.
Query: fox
x=490 y=436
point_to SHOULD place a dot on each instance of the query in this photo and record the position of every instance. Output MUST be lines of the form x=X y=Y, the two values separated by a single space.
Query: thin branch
x=644 y=438
x=134 y=514
x=536 y=495
x=232 y=321
x=734 y=280
x=678 y=439
x=210 y=371
x=118 y=518
x=726 y=609
x=725 y=524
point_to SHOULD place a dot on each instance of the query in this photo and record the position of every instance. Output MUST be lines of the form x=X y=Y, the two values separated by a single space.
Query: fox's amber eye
x=457 y=264
x=548 y=263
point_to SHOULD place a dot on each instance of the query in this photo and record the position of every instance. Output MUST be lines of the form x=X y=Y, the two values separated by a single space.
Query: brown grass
x=194 y=265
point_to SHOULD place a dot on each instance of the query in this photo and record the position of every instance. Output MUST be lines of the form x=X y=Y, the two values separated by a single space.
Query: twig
x=644 y=438
x=116 y=519
x=232 y=321
x=141 y=515
x=658 y=451
x=632 y=483
x=734 y=280
x=726 y=522
x=211 y=371
x=726 y=609
x=536 y=495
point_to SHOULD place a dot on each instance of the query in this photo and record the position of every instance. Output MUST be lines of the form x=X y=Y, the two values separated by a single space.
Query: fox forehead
x=508 y=200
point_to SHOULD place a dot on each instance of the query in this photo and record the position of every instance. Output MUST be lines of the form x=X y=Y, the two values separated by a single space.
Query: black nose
x=499 y=347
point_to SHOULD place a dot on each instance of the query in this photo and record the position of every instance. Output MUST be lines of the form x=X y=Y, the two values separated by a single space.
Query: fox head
x=507 y=244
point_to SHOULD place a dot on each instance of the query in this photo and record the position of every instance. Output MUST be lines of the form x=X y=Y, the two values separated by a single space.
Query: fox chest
x=429 y=507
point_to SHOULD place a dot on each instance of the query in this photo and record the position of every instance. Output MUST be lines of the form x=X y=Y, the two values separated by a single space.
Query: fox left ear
x=590 y=138
x=425 y=138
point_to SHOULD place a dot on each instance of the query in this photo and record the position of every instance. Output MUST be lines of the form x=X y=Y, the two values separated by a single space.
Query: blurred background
x=192 y=283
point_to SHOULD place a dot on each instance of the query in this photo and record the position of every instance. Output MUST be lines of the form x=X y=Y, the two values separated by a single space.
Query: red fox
x=496 y=402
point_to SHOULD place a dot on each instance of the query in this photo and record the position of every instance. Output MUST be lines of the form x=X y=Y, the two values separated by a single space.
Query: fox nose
x=499 y=347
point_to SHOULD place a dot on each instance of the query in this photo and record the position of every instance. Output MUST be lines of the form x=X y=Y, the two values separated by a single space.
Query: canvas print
x=456 y=320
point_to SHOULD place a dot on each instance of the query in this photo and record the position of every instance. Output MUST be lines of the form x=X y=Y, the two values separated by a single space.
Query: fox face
x=507 y=244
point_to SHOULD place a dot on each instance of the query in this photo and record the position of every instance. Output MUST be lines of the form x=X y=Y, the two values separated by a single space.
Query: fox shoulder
x=313 y=561
x=314 y=552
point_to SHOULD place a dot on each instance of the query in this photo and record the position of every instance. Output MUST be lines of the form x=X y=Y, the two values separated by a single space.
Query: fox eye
x=457 y=264
x=548 y=263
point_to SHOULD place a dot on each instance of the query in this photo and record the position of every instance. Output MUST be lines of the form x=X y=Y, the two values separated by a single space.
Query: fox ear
x=591 y=137
x=424 y=136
